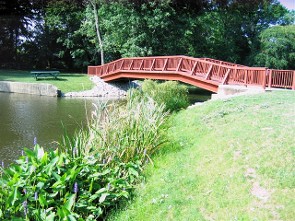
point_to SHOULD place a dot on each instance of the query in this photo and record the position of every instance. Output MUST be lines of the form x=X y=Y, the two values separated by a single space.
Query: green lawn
x=66 y=82
x=229 y=160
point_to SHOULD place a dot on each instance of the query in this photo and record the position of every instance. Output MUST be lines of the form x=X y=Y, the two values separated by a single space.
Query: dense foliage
x=73 y=34
x=58 y=186
x=91 y=173
x=171 y=94
x=277 y=47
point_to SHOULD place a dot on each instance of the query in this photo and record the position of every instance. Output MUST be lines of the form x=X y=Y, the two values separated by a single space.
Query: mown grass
x=227 y=160
x=66 y=82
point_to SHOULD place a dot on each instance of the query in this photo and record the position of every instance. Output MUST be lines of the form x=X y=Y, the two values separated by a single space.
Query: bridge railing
x=210 y=70
x=280 y=79
x=222 y=62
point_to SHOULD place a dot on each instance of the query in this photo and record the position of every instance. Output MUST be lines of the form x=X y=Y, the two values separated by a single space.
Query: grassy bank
x=66 y=82
x=230 y=160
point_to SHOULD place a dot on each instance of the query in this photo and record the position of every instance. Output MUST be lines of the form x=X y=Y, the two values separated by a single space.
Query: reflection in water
x=24 y=117
x=198 y=94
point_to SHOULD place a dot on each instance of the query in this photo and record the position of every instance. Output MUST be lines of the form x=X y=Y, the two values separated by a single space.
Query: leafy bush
x=170 y=93
x=57 y=186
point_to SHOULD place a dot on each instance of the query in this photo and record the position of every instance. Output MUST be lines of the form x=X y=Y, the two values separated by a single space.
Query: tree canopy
x=73 y=34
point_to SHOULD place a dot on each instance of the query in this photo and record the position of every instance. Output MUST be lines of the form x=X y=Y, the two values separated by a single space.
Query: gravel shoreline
x=104 y=90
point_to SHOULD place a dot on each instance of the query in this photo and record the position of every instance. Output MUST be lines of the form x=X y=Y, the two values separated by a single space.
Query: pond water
x=23 y=117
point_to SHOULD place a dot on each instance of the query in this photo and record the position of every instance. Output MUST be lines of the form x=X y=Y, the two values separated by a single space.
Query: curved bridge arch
x=205 y=73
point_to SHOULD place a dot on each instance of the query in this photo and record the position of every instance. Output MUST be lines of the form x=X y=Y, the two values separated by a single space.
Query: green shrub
x=57 y=186
x=170 y=93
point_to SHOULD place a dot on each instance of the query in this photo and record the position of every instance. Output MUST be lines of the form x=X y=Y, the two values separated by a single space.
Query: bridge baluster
x=151 y=68
x=122 y=65
x=141 y=64
x=179 y=64
x=194 y=67
x=165 y=63
x=208 y=74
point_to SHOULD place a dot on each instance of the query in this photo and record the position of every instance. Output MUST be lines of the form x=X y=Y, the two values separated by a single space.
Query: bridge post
x=264 y=79
x=246 y=77
x=293 y=84
x=269 y=72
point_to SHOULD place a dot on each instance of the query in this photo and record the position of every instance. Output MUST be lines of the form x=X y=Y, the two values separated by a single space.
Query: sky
x=289 y=4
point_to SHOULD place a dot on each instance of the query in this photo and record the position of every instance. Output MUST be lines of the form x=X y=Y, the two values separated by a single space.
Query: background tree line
x=72 y=34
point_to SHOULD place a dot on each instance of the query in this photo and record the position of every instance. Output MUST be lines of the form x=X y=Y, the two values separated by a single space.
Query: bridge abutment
x=29 y=88
x=225 y=91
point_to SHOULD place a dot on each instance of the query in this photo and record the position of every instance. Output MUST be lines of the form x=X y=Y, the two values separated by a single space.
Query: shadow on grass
x=51 y=79
x=73 y=75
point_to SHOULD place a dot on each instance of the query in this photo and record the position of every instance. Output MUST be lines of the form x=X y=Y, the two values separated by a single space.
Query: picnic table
x=36 y=74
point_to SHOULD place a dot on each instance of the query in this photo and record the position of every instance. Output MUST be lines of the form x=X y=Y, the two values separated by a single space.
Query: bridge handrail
x=223 y=62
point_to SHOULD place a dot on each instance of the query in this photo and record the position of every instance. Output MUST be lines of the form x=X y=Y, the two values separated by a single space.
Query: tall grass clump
x=122 y=133
x=91 y=172
x=170 y=93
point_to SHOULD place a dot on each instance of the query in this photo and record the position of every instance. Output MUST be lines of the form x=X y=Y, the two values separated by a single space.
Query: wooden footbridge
x=205 y=73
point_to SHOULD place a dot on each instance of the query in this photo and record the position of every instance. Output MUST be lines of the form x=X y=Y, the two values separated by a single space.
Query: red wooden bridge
x=205 y=73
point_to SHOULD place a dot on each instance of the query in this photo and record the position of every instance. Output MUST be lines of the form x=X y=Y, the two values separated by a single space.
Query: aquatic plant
x=171 y=94
x=56 y=186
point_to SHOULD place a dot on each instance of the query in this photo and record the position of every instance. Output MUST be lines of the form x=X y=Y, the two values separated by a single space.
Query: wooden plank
x=154 y=60
x=293 y=82
x=208 y=74
x=141 y=64
x=130 y=66
x=225 y=79
x=122 y=65
x=269 y=77
x=194 y=67
x=179 y=64
x=165 y=64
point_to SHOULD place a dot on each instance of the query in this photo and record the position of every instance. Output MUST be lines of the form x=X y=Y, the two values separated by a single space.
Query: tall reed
x=122 y=133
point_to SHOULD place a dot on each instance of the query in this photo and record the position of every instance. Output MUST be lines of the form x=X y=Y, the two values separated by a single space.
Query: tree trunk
x=98 y=32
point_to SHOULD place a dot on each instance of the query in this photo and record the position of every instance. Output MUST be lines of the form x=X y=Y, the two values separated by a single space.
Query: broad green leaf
x=72 y=218
x=70 y=202
x=42 y=200
x=103 y=197
x=50 y=217
x=40 y=185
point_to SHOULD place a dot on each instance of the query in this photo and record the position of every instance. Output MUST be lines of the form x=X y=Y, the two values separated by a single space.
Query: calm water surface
x=23 y=117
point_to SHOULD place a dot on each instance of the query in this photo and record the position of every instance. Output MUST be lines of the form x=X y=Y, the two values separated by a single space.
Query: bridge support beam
x=211 y=86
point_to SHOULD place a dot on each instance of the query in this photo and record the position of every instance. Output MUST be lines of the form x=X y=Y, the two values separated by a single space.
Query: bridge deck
x=201 y=72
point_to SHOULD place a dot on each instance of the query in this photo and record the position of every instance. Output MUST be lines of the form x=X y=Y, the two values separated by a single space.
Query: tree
x=277 y=48
x=94 y=5
x=61 y=35
x=15 y=18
